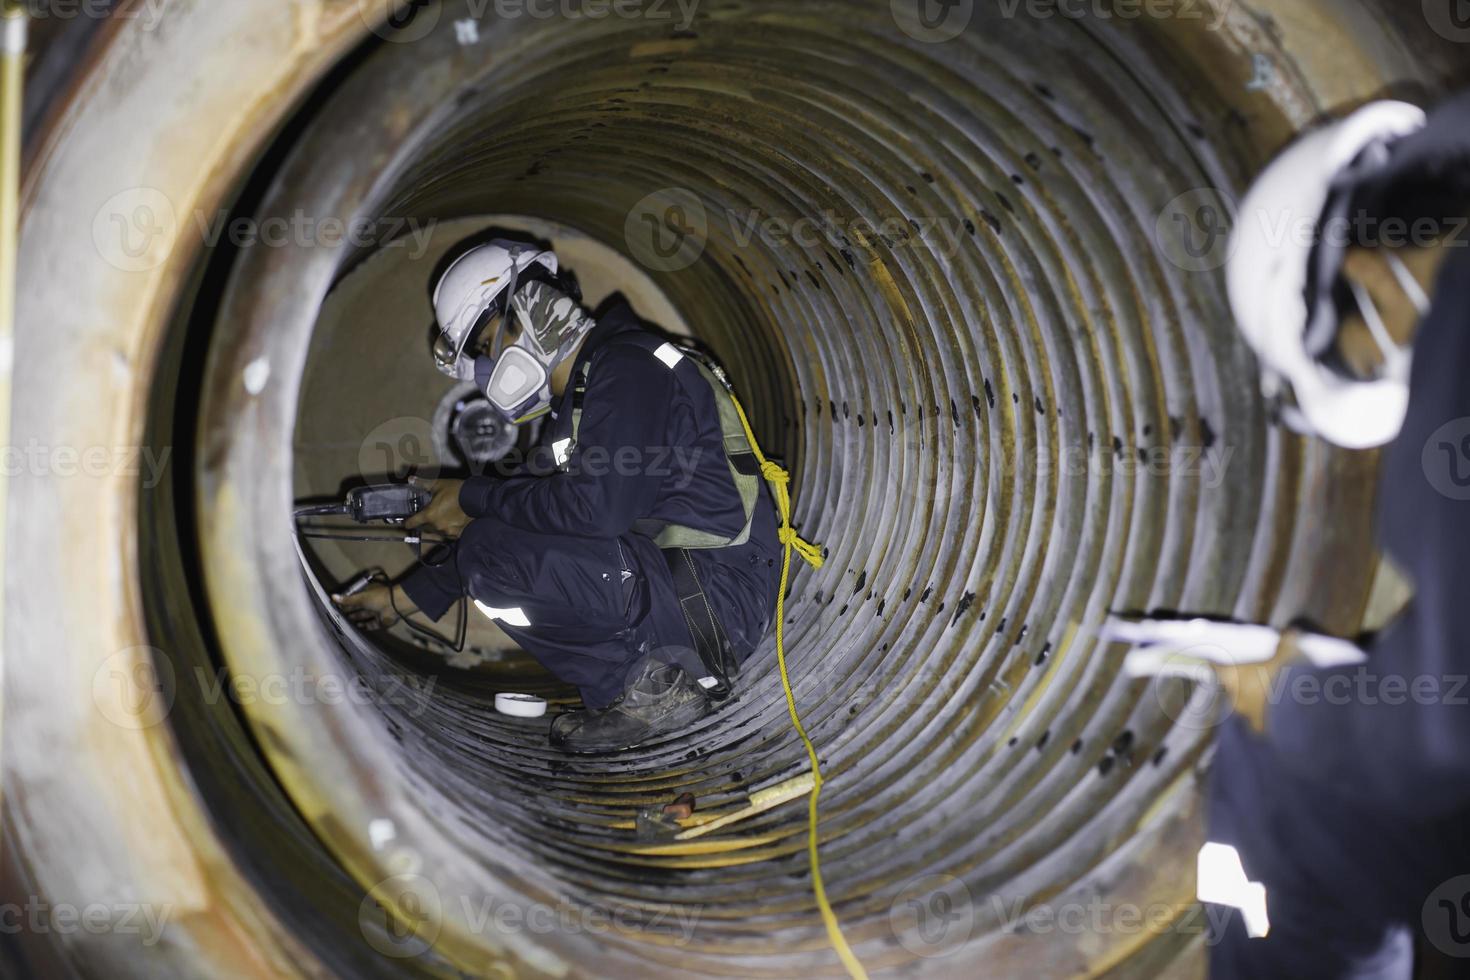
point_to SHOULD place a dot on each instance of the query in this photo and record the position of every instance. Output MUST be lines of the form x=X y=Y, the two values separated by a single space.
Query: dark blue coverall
x=1354 y=809
x=561 y=546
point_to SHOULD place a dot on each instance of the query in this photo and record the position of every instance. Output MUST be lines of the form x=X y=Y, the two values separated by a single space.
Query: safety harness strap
x=711 y=644
x=748 y=467
x=745 y=468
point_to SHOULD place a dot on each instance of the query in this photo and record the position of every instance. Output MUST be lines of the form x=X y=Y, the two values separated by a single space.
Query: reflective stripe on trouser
x=571 y=592
x=577 y=629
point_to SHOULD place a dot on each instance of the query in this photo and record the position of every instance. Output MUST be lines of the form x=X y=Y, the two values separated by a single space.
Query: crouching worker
x=639 y=560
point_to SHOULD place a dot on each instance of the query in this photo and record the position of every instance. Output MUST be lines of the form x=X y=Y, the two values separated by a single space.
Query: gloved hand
x=443 y=513
x=374 y=607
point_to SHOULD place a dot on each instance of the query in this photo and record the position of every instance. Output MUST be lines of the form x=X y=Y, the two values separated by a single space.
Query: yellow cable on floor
x=778 y=479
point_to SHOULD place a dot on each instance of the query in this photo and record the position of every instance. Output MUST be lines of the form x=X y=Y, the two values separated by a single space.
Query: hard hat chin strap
x=1394 y=358
x=497 y=343
x=1408 y=283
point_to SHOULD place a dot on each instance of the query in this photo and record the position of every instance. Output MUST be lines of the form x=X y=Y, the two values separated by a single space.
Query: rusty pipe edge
x=970 y=723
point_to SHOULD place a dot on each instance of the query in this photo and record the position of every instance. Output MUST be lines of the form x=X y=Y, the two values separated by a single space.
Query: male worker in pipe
x=637 y=557
x=1353 y=809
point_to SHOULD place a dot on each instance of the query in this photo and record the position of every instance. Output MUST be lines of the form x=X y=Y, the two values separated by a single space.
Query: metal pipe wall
x=962 y=284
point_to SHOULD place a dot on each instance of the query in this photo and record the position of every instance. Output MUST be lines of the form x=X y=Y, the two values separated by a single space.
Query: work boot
x=660 y=698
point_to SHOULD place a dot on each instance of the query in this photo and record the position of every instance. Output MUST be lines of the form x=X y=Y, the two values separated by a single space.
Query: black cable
x=415 y=541
x=462 y=630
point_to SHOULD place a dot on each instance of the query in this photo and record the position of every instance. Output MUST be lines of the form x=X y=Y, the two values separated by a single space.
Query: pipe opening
x=969 y=292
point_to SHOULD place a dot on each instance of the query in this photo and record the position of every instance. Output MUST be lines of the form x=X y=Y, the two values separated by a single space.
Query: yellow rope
x=779 y=479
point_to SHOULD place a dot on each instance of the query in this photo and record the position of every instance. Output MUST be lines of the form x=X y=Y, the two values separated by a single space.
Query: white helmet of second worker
x=1285 y=287
x=513 y=289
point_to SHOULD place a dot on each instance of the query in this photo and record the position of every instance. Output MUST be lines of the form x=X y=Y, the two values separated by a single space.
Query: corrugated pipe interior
x=963 y=264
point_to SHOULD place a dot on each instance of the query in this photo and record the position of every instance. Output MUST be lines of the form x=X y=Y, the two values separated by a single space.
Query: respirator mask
x=548 y=325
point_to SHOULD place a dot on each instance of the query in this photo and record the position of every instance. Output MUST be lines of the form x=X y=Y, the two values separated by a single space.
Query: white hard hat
x=476 y=286
x=1269 y=278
